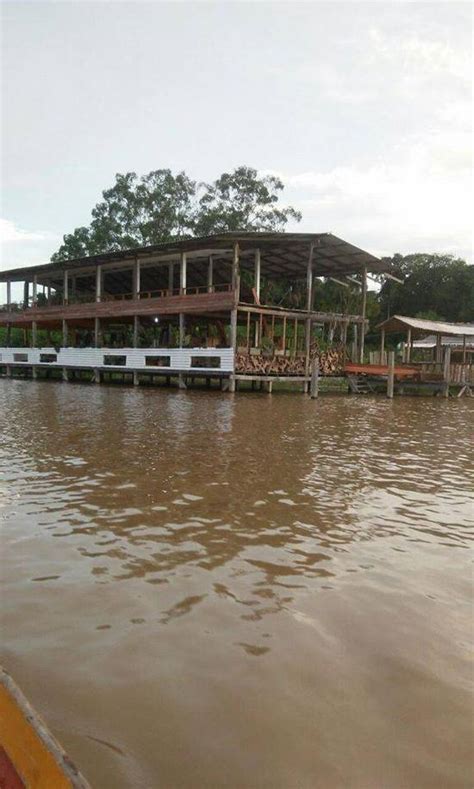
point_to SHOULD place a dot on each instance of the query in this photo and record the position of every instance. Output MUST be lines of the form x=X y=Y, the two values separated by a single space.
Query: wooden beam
x=210 y=274
x=98 y=284
x=182 y=273
x=391 y=374
x=364 y=310
x=257 y=274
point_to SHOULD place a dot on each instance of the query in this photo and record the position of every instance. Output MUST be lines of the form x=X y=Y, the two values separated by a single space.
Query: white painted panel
x=180 y=358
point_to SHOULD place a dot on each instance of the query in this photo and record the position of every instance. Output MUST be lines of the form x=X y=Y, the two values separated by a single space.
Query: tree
x=438 y=286
x=135 y=212
x=161 y=206
x=242 y=201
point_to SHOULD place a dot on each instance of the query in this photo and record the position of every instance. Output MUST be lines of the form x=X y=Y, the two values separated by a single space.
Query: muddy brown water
x=207 y=590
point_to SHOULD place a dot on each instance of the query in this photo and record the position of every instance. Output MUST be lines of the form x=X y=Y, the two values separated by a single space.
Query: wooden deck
x=381 y=370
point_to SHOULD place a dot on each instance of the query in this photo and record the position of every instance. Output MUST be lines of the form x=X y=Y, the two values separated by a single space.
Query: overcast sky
x=363 y=109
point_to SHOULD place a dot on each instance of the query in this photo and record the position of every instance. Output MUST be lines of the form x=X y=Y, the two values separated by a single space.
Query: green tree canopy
x=138 y=211
x=436 y=286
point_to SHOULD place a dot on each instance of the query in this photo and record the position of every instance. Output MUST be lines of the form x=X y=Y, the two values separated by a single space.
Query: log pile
x=331 y=362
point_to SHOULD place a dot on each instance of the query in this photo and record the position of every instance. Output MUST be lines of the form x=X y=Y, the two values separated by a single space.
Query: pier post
x=210 y=274
x=391 y=374
x=65 y=374
x=314 y=388
x=364 y=310
x=9 y=371
x=136 y=329
x=447 y=371
x=65 y=333
x=34 y=334
x=136 y=380
x=96 y=332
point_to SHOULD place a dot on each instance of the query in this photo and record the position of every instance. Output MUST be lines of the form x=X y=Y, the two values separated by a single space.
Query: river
x=249 y=591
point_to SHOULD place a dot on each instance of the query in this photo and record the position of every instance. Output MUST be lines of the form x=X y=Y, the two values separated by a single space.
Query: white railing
x=114 y=359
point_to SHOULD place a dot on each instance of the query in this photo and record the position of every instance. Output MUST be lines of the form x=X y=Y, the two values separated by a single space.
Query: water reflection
x=242 y=527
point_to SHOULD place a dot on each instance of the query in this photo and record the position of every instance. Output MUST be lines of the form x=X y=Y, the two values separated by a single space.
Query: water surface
x=207 y=590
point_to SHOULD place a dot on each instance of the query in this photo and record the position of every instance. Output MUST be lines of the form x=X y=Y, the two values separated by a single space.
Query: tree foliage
x=440 y=287
x=139 y=211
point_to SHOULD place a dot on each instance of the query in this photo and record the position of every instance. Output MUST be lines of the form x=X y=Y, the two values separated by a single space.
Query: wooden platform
x=381 y=370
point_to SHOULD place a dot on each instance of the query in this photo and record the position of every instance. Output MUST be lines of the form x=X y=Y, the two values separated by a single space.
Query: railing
x=90 y=298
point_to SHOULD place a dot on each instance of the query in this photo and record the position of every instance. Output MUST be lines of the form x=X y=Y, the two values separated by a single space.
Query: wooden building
x=201 y=307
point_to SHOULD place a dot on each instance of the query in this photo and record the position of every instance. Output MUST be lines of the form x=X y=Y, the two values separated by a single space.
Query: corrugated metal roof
x=453 y=342
x=283 y=254
x=421 y=326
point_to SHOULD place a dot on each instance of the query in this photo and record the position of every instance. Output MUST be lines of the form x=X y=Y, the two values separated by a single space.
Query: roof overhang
x=419 y=326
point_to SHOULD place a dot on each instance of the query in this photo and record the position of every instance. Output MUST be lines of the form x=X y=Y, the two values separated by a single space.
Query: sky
x=363 y=109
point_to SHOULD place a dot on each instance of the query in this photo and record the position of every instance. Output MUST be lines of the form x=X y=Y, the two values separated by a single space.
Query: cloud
x=419 y=197
x=11 y=233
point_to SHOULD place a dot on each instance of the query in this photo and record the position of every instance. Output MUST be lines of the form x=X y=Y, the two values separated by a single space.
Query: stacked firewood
x=331 y=362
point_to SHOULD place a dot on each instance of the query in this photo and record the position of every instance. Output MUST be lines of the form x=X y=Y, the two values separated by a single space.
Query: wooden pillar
x=309 y=280
x=73 y=288
x=8 y=333
x=182 y=329
x=136 y=279
x=34 y=334
x=48 y=295
x=66 y=287
x=391 y=374
x=354 y=344
x=314 y=387
x=136 y=329
x=248 y=332
x=182 y=274
x=171 y=278
x=65 y=334
x=233 y=345
x=447 y=370
x=26 y=296
x=464 y=349
x=295 y=340
x=96 y=332
x=439 y=348
x=382 y=347
x=364 y=310
x=98 y=283
x=408 y=347
x=257 y=274
x=35 y=289
x=210 y=274
x=236 y=273
x=9 y=293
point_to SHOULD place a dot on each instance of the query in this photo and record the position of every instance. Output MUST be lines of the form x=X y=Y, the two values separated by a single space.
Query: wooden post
x=170 y=278
x=73 y=288
x=98 y=283
x=248 y=332
x=354 y=344
x=65 y=334
x=257 y=272
x=182 y=329
x=136 y=279
x=309 y=280
x=9 y=334
x=439 y=348
x=65 y=375
x=35 y=289
x=236 y=273
x=9 y=293
x=96 y=332
x=26 y=296
x=364 y=310
x=391 y=374
x=382 y=347
x=34 y=334
x=136 y=329
x=210 y=275
x=464 y=349
x=182 y=274
x=233 y=344
x=65 y=287
x=295 y=343
x=447 y=370
x=314 y=388
x=48 y=295
x=284 y=335
x=408 y=347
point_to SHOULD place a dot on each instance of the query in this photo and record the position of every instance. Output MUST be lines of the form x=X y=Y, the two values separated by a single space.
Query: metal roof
x=453 y=342
x=282 y=255
x=401 y=323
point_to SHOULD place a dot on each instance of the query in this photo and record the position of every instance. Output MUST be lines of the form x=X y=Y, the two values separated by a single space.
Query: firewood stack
x=331 y=362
